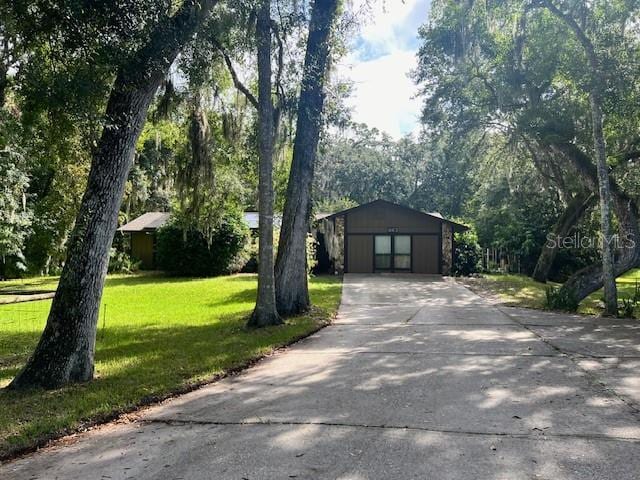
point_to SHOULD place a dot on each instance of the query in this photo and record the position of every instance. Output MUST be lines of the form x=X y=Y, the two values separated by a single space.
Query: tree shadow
x=135 y=365
x=359 y=401
x=315 y=412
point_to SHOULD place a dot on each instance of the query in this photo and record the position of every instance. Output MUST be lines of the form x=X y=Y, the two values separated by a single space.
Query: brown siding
x=426 y=254
x=360 y=253
x=380 y=217
x=142 y=249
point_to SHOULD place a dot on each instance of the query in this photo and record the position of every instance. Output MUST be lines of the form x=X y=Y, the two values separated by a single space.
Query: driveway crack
x=414 y=314
x=544 y=436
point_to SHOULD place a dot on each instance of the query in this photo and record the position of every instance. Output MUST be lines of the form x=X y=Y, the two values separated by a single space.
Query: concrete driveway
x=418 y=378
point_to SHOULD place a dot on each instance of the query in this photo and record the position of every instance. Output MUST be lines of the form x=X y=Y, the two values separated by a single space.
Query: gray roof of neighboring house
x=146 y=222
x=252 y=220
x=153 y=220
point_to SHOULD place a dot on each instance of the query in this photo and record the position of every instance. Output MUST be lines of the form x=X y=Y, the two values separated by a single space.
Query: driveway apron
x=417 y=378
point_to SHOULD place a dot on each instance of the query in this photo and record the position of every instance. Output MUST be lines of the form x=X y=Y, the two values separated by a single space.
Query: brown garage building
x=385 y=237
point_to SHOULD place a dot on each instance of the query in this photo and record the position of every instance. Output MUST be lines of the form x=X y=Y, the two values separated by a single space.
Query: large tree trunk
x=292 y=292
x=65 y=352
x=265 y=312
x=575 y=209
x=597 y=116
x=590 y=279
x=608 y=274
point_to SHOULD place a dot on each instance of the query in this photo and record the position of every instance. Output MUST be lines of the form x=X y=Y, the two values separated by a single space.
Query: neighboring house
x=143 y=238
x=251 y=219
x=385 y=237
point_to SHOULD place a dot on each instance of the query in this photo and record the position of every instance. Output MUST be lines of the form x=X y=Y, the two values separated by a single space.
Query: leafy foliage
x=368 y=165
x=468 y=255
x=511 y=76
x=121 y=262
x=15 y=217
x=189 y=253
x=630 y=302
x=561 y=299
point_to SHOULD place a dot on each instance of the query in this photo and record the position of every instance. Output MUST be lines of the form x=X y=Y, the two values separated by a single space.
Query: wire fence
x=20 y=318
x=23 y=318
x=499 y=260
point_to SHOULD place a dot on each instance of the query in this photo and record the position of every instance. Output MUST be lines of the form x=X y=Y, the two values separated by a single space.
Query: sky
x=382 y=55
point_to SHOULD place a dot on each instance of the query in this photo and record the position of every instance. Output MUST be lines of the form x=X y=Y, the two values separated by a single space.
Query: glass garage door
x=392 y=253
x=383 y=252
x=402 y=252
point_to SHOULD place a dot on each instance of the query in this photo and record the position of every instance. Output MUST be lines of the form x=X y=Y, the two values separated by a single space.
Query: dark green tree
x=65 y=352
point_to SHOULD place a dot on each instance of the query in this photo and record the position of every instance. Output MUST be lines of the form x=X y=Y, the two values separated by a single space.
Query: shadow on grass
x=137 y=365
x=159 y=278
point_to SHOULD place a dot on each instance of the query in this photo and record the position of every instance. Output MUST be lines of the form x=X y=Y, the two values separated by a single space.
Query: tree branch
x=577 y=30
x=277 y=111
x=234 y=76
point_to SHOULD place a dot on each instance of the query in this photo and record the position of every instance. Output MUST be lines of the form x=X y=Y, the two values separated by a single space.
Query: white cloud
x=382 y=27
x=382 y=93
x=383 y=55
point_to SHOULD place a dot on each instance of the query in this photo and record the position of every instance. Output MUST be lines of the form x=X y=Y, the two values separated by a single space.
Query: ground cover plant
x=522 y=291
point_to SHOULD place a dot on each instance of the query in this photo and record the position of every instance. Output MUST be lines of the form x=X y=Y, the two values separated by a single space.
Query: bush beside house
x=468 y=256
x=189 y=253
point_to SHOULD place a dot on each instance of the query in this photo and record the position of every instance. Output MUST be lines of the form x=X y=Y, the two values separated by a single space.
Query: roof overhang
x=147 y=222
x=457 y=227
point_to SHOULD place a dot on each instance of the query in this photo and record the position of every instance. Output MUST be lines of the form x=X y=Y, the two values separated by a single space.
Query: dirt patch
x=477 y=285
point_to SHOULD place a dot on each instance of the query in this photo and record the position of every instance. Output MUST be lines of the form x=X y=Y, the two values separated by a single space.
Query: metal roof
x=252 y=219
x=151 y=221
x=146 y=222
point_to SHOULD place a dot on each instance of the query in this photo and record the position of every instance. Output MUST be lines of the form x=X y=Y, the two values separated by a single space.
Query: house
x=143 y=228
x=143 y=238
x=381 y=236
x=252 y=221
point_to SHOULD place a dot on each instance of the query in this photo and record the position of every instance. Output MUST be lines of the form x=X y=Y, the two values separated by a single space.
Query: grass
x=157 y=336
x=26 y=285
x=522 y=291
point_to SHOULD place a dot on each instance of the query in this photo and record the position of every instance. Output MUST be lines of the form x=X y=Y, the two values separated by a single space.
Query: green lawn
x=157 y=336
x=27 y=285
x=522 y=291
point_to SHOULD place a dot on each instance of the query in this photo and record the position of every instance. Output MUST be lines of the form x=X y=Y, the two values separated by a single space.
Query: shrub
x=250 y=251
x=630 y=303
x=186 y=252
x=627 y=308
x=121 y=262
x=467 y=258
x=561 y=299
x=12 y=266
